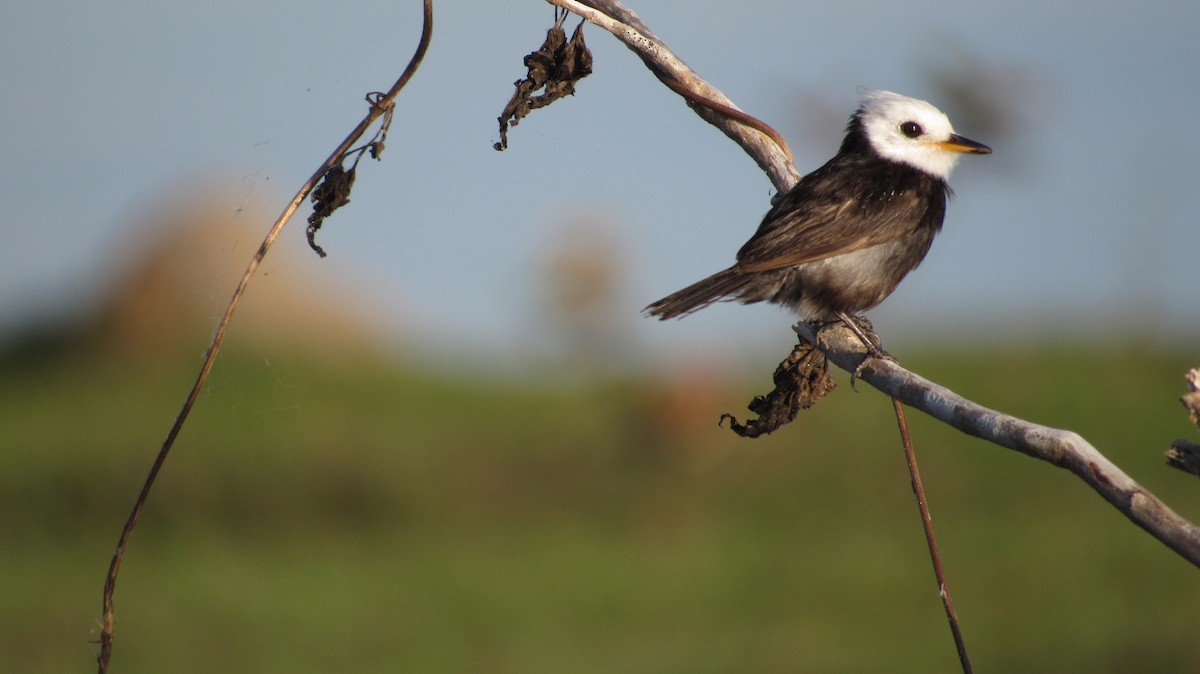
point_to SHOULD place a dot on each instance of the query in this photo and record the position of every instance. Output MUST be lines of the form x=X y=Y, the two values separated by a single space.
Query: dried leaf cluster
x=554 y=69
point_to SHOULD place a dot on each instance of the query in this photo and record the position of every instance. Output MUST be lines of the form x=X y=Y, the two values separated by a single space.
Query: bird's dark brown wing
x=832 y=211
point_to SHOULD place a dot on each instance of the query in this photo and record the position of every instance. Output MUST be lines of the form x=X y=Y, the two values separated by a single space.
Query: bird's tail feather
x=699 y=295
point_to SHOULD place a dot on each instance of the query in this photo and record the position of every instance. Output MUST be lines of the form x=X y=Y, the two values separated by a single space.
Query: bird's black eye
x=911 y=129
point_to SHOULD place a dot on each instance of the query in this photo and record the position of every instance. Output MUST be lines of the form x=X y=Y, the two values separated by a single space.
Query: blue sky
x=1082 y=225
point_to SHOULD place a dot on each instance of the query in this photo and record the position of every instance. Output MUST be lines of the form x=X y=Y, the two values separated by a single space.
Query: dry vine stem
x=935 y=555
x=380 y=105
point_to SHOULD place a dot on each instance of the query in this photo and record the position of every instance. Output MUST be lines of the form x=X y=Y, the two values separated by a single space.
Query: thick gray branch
x=1064 y=449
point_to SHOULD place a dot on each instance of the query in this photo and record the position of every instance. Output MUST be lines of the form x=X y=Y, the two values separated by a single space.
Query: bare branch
x=1061 y=448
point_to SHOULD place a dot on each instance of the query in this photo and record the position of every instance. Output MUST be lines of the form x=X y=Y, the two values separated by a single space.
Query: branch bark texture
x=1061 y=448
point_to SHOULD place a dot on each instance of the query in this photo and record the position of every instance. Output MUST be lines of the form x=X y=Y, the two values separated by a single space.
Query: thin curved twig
x=733 y=113
x=765 y=147
x=377 y=108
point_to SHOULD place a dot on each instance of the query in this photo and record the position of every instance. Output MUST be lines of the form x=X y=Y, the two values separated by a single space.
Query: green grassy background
x=364 y=516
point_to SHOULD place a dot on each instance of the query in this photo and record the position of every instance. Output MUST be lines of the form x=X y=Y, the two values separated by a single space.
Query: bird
x=842 y=239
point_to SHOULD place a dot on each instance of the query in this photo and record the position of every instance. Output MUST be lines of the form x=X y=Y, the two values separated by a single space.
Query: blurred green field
x=363 y=517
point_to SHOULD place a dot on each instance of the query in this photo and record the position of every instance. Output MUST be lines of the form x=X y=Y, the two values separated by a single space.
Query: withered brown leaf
x=554 y=69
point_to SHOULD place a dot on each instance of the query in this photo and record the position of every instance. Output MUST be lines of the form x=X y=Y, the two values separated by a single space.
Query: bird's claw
x=873 y=352
x=861 y=327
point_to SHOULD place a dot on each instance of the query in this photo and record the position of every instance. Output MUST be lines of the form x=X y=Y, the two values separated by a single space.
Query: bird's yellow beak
x=957 y=143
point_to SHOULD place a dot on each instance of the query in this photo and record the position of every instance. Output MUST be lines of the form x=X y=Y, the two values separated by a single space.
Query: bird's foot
x=863 y=329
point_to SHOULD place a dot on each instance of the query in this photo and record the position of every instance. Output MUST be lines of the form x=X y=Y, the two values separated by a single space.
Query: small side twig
x=334 y=160
x=333 y=191
x=927 y=524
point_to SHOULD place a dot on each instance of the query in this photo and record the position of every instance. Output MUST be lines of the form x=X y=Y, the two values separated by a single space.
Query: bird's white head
x=913 y=132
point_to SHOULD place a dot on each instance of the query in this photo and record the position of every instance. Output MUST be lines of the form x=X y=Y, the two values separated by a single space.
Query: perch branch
x=1061 y=448
x=379 y=106
x=1058 y=447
